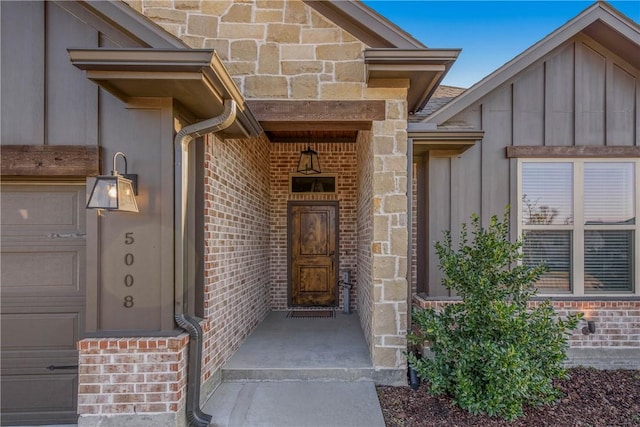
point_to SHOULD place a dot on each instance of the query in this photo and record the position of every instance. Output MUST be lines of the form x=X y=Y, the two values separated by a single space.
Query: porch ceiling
x=316 y=121
x=312 y=136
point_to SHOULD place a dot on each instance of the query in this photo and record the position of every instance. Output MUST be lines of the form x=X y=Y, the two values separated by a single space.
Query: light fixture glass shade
x=309 y=162
x=112 y=193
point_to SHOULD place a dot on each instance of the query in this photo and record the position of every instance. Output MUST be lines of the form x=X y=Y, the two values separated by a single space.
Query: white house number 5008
x=128 y=261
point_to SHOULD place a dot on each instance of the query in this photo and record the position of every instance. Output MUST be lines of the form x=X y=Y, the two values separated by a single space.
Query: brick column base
x=132 y=381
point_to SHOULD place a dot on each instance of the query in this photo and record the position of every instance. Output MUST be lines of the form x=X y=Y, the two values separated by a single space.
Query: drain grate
x=308 y=314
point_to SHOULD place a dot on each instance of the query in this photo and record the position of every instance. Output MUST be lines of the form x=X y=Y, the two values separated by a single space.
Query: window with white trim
x=579 y=217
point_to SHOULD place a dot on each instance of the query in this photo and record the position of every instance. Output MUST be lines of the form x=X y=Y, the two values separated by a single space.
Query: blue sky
x=490 y=33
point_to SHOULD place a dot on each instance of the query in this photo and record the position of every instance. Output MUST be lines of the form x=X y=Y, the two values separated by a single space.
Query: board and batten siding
x=45 y=99
x=580 y=94
x=47 y=102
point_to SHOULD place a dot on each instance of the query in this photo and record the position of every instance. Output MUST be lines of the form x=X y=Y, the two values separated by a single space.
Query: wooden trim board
x=573 y=151
x=49 y=161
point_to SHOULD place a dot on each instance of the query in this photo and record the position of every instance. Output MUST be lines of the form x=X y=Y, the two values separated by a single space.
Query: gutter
x=195 y=416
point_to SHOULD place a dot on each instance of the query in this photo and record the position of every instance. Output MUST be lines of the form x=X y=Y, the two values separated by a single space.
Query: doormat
x=308 y=314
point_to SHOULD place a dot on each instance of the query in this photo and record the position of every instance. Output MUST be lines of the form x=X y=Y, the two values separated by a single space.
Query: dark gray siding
x=48 y=101
x=580 y=94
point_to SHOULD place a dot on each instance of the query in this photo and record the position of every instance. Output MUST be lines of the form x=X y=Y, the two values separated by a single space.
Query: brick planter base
x=132 y=381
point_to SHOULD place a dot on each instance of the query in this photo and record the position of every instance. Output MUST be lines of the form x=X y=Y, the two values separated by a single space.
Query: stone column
x=390 y=236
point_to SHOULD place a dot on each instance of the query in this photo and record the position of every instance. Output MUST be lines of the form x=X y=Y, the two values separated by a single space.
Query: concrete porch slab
x=295 y=404
x=283 y=348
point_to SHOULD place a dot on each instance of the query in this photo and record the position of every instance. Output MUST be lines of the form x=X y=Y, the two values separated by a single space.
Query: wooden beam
x=572 y=151
x=314 y=126
x=318 y=111
x=49 y=161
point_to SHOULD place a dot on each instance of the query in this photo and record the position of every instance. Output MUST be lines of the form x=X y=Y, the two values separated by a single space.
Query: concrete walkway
x=299 y=373
x=295 y=404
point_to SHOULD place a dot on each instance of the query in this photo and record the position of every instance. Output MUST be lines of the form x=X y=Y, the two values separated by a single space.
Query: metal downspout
x=409 y=231
x=195 y=416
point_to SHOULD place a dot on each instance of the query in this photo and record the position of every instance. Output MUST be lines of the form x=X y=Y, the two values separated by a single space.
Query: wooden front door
x=313 y=249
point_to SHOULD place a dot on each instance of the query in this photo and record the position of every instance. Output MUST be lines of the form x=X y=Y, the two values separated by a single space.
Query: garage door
x=43 y=300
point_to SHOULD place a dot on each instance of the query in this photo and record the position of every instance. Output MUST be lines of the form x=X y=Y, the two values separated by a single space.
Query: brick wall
x=132 y=375
x=365 y=232
x=617 y=322
x=273 y=49
x=334 y=158
x=237 y=258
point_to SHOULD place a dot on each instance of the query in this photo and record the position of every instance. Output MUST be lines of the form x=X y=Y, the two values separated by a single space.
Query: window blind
x=552 y=248
x=547 y=193
x=608 y=261
x=609 y=193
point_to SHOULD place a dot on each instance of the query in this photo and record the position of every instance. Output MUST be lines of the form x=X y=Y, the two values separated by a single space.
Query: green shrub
x=492 y=353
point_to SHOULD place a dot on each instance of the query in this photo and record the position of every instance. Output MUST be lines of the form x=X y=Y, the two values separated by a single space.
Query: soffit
x=441 y=142
x=194 y=78
x=423 y=68
x=622 y=45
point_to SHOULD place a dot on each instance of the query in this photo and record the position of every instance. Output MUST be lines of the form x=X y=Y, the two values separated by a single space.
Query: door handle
x=55 y=368
x=331 y=255
x=67 y=235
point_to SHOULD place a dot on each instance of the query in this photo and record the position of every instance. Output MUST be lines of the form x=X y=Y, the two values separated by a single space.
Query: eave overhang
x=600 y=21
x=441 y=142
x=126 y=20
x=423 y=68
x=622 y=40
x=365 y=24
x=196 y=79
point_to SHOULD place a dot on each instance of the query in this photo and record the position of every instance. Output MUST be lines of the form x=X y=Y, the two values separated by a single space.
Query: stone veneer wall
x=617 y=331
x=390 y=238
x=237 y=258
x=273 y=49
x=141 y=378
x=339 y=158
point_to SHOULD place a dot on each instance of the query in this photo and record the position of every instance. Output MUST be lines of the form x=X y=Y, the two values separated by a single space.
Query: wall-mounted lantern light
x=590 y=328
x=309 y=162
x=115 y=192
